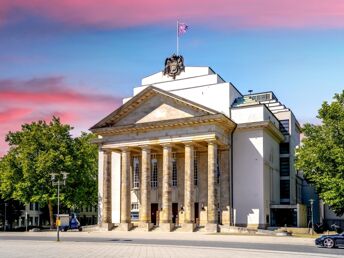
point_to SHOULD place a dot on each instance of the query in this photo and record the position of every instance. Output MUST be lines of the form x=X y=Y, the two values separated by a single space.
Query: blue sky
x=301 y=61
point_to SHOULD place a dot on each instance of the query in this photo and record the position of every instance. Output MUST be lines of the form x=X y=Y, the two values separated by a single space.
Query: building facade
x=191 y=151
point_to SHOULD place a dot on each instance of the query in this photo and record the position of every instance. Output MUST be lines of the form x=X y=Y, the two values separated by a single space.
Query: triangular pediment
x=153 y=105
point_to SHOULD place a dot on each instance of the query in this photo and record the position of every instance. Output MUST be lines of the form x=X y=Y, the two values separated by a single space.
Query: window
x=31 y=206
x=154 y=173
x=285 y=189
x=86 y=209
x=284 y=167
x=174 y=171
x=135 y=206
x=218 y=168
x=135 y=211
x=36 y=206
x=284 y=126
x=195 y=169
x=136 y=176
x=134 y=215
x=284 y=148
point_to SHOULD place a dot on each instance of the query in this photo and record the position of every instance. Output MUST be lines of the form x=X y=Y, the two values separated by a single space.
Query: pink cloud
x=41 y=98
x=219 y=13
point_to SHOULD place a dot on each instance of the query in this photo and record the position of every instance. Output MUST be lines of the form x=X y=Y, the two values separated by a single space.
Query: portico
x=173 y=157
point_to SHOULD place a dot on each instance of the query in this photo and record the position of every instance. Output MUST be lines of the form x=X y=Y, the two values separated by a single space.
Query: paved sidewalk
x=124 y=244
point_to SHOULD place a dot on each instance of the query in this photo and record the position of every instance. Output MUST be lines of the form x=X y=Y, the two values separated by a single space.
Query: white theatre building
x=192 y=152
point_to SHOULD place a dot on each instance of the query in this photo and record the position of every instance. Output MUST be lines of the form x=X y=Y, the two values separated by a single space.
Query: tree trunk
x=51 y=215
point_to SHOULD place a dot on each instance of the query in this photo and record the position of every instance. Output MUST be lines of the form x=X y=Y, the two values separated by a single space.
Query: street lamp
x=312 y=217
x=55 y=178
x=5 y=224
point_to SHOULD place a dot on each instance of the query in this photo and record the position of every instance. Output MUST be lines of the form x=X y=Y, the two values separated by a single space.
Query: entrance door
x=154 y=210
x=174 y=212
x=196 y=213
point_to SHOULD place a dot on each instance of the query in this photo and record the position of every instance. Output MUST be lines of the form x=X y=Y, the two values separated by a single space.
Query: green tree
x=321 y=155
x=40 y=149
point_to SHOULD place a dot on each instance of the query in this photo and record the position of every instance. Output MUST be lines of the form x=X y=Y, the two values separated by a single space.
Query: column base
x=106 y=226
x=188 y=227
x=124 y=226
x=212 y=228
x=166 y=227
x=145 y=226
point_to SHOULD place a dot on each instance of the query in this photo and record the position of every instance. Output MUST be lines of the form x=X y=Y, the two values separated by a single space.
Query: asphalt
x=299 y=248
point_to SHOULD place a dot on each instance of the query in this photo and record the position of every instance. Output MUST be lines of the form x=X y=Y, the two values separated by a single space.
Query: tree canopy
x=321 y=155
x=42 y=148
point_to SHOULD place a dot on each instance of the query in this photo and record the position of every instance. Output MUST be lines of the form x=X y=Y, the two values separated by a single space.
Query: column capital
x=167 y=145
x=145 y=147
x=189 y=143
x=211 y=141
x=124 y=149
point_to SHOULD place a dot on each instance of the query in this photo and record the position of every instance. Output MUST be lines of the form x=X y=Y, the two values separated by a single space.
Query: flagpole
x=177 y=38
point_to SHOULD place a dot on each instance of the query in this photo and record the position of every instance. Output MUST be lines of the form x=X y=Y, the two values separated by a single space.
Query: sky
x=77 y=59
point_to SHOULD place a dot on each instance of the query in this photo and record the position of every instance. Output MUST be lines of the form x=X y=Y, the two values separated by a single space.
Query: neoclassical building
x=189 y=150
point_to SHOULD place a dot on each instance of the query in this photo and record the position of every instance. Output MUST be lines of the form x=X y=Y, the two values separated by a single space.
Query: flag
x=182 y=28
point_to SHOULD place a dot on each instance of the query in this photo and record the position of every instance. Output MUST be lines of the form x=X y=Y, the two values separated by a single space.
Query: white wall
x=189 y=72
x=248 y=114
x=248 y=180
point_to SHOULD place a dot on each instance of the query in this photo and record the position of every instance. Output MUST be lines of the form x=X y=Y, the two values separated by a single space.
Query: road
x=134 y=244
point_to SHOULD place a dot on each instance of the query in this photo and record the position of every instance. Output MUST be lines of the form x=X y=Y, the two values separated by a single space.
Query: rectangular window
x=195 y=169
x=31 y=206
x=284 y=126
x=134 y=215
x=135 y=206
x=218 y=168
x=136 y=171
x=284 y=148
x=174 y=172
x=284 y=167
x=154 y=174
x=285 y=189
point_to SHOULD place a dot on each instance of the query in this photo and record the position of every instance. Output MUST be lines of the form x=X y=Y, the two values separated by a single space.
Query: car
x=330 y=241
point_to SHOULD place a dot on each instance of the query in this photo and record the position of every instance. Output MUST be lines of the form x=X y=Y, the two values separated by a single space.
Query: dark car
x=330 y=241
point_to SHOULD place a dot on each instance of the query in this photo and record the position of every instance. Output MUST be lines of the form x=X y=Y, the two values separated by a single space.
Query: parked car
x=330 y=241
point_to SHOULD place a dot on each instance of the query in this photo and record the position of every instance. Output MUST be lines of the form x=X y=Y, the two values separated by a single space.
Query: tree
x=321 y=155
x=40 y=149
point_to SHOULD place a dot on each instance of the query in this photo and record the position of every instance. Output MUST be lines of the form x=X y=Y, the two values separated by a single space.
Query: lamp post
x=5 y=224
x=312 y=217
x=56 y=180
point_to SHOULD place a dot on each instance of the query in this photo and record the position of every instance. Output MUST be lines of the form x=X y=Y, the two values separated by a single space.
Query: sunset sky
x=78 y=58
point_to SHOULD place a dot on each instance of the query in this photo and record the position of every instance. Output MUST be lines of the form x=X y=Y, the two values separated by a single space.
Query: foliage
x=40 y=149
x=321 y=156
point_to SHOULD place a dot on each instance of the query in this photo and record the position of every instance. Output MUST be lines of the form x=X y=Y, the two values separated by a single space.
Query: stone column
x=189 y=188
x=106 y=220
x=125 y=224
x=145 y=205
x=212 y=203
x=166 y=216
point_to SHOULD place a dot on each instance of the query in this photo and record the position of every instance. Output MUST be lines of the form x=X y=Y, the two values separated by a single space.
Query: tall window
x=174 y=171
x=136 y=176
x=195 y=169
x=284 y=126
x=284 y=167
x=218 y=168
x=154 y=173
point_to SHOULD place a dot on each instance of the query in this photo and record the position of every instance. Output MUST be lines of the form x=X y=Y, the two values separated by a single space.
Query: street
x=157 y=244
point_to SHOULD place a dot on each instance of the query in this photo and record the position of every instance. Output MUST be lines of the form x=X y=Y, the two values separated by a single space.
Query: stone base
x=188 y=227
x=124 y=226
x=106 y=226
x=166 y=227
x=212 y=228
x=145 y=226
